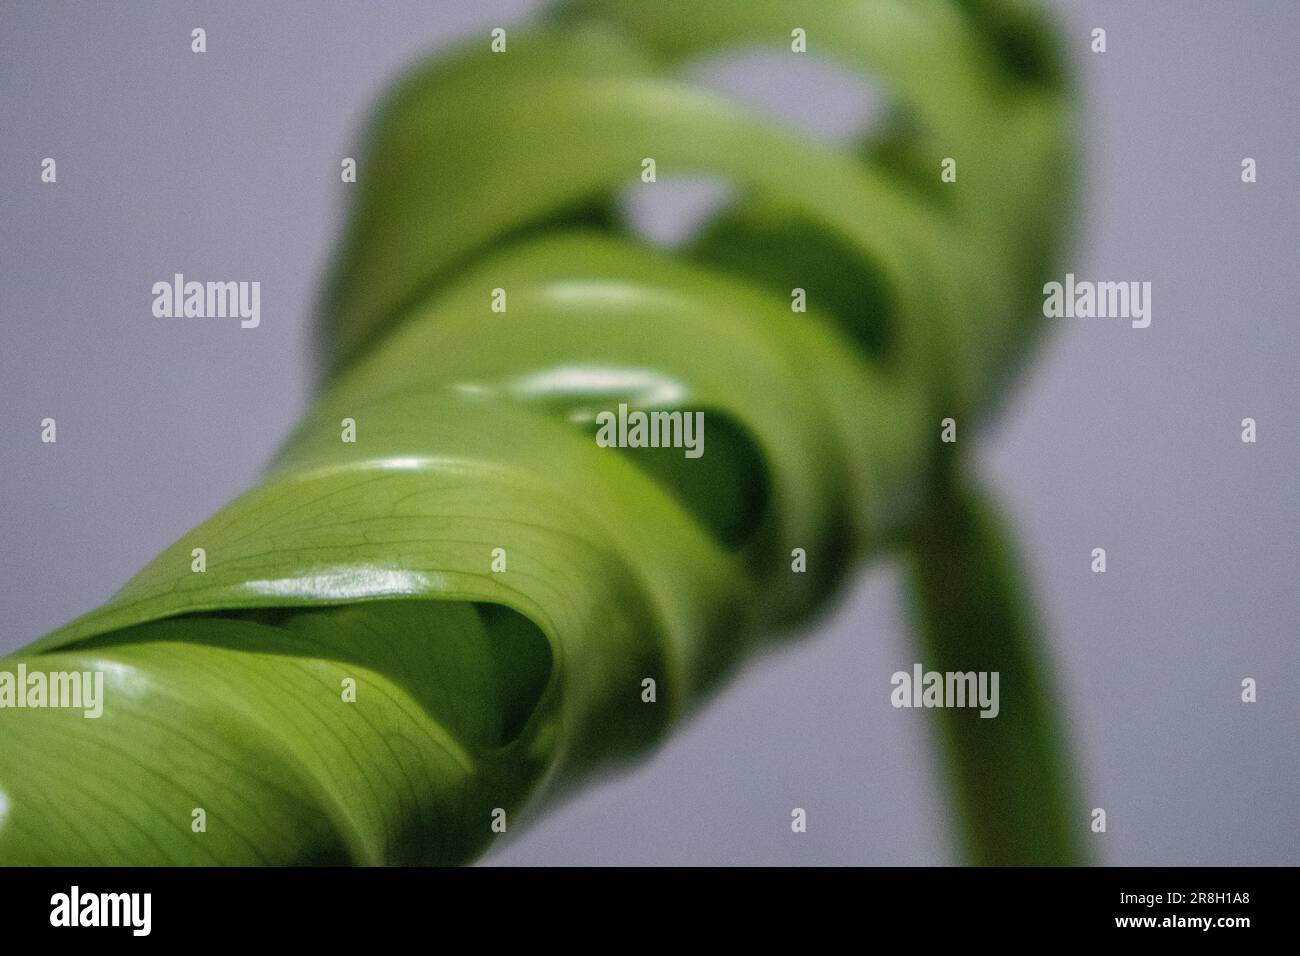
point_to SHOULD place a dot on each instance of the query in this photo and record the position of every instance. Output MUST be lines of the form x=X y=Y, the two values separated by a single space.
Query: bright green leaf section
x=400 y=637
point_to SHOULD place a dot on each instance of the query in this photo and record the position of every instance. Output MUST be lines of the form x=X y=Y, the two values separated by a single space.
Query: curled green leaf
x=446 y=601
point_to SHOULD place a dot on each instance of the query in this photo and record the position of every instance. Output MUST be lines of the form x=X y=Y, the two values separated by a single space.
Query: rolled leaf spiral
x=496 y=588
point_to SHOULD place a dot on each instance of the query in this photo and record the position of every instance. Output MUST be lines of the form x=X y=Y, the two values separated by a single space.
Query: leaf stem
x=1011 y=784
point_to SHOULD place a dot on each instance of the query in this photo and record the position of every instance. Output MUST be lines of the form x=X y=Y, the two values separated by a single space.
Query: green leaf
x=395 y=639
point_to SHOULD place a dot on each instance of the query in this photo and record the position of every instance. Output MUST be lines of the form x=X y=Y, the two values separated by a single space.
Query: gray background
x=226 y=166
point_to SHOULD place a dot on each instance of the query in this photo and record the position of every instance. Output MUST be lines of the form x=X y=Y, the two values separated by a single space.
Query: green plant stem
x=1008 y=779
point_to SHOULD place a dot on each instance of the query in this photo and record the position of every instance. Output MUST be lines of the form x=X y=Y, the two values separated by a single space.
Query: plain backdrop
x=226 y=165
